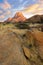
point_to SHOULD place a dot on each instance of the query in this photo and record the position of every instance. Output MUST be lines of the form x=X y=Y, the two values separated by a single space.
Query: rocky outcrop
x=19 y=47
x=18 y=17
x=8 y=20
x=36 y=19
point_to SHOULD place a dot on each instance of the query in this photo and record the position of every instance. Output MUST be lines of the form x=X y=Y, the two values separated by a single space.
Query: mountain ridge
x=19 y=17
x=36 y=19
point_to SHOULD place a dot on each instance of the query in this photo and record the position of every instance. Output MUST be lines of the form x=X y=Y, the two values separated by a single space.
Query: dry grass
x=17 y=46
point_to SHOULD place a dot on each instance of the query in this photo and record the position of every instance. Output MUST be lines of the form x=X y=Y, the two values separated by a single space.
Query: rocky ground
x=20 y=46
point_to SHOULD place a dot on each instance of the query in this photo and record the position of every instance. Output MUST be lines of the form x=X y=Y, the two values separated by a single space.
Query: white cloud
x=1 y=11
x=25 y=3
x=33 y=10
x=5 y=5
x=2 y=16
x=40 y=1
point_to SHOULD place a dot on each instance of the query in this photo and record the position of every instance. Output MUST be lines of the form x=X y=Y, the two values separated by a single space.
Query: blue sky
x=9 y=7
x=15 y=4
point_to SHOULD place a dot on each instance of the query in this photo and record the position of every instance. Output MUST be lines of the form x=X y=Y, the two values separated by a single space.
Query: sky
x=8 y=8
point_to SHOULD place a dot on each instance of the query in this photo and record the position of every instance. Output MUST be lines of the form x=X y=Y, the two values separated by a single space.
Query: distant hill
x=35 y=19
x=8 y=20
x=18 y=17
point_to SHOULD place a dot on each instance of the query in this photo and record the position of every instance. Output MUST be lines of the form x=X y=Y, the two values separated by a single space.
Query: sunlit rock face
x=20 y=47
x=19 y=17
x=8 y=20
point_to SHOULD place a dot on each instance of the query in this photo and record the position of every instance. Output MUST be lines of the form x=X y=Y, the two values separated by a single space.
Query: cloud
x=40 y=1
x=33 y=10
x=2 y=16
x=5 y=15
x=25 y=3
x=10 y=7
x=8 y=12
x=4 y=10
x=5 y=5
x=1 y=11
